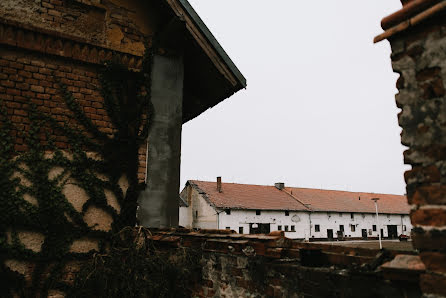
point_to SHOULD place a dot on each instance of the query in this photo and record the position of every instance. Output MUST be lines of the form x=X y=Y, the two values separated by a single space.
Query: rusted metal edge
x=411 y=22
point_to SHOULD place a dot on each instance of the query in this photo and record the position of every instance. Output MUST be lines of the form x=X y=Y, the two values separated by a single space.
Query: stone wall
x=419 y=56
x=235 y=265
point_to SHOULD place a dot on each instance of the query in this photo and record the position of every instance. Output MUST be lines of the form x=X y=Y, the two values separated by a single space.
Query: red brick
x=429 y=217
x=424 y=174
x=22 y=86
x=25 y=74
x=434 y=194
x=433 y=284
x=31 y=68
x=9 y=70
x=38 y=89
x=8 y=83
x=45 y=71
x=13 y=91
x=434 y=261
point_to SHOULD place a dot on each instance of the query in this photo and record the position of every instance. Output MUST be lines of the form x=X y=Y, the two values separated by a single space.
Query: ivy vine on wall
x=33 y=200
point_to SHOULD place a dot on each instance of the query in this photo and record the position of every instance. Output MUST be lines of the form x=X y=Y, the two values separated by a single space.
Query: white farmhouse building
x=303 y=213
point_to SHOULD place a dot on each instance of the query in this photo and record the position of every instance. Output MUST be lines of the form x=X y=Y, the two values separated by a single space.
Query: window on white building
x=352 y=215
x=240 y=230
x=293 y=228
x=258 y=212
x=279 y=228
x=353 y=228
x=404 y=227
x=228 y=211
x=228 y=228
x=287 y=213
x=196 y=214
x=374 y=228
x=341 y=228
x=317 y=228
x=286 y=228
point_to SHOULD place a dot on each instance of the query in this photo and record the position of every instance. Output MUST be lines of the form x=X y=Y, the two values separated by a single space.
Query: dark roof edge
x=213 y=41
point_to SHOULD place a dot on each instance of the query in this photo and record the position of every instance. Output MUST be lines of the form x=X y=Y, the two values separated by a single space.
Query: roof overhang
x=412 y=13
x=210 y=75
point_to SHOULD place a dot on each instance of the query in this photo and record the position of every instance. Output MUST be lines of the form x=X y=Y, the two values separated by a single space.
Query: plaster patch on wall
x=84 y=245
x=32 y=240
x=30 y=199
x=98 y=219
x=18 y=266
x=123 y=184
x=75 y=195
x=54 y=172
x=112 y=201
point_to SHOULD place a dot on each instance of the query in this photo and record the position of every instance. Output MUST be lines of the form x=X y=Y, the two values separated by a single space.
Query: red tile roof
x=263 y=197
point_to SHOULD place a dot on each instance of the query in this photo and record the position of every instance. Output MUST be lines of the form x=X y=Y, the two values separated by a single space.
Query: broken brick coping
x=412 y=13
x=274 y=246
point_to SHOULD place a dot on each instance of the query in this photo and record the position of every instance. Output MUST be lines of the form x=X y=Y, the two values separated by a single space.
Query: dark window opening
x=258 y=212
x=287 y=213
x=341 y=228
x=196 y=214
x=352 y=215
x=260 y=228
x=240 y=230
x=317 y=228
x=374 y=228
x=286 y=228
x=228 y=211
x=404 y=227
x=353 y=228
x=228 y=228
x=293 y=228
x=279 y=228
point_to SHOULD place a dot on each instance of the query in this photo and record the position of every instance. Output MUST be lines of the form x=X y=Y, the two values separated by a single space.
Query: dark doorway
x=392 y=231
x=382 y=234
x=330 y=234
x=259 y=228
x=364 y=233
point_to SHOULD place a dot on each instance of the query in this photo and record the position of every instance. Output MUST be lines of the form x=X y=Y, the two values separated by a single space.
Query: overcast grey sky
x=319 y=110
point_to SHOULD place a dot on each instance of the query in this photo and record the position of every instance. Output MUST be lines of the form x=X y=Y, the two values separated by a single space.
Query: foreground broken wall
x=419 y=56
x=235 y=265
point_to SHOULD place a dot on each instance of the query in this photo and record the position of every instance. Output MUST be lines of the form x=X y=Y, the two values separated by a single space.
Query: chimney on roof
x=219 y=184
x=279 y=185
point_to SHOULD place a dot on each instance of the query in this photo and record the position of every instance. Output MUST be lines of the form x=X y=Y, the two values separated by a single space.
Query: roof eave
x=213 y=42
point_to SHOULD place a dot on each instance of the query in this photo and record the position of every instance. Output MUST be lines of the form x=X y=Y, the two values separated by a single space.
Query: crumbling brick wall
x=419 y=56
x=235 y=265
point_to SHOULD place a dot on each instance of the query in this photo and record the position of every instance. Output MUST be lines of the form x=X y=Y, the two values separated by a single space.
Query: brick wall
x=419 y=56
x=44 y=41
x=236 y=265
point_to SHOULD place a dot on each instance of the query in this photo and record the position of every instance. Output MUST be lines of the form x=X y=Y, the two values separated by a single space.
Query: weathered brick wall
x=49 y=40
x=237 y=265
x=419 y=56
